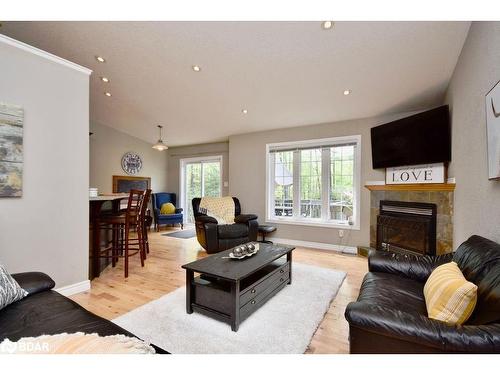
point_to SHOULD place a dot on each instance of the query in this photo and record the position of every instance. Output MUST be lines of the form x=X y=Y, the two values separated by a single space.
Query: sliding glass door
x=200 y=177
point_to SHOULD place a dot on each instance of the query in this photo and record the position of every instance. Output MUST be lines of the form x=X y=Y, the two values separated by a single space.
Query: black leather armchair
x=214 y=237
x=390 y=315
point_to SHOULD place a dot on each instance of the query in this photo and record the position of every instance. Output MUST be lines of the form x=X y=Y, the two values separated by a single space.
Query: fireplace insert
x=407 y=227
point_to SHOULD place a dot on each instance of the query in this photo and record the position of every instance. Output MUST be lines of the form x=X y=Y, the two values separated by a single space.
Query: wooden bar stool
x=133 y=219
x=148 y=220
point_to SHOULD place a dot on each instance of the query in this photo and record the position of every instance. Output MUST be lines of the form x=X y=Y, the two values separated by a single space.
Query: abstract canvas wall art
x=11 y=150
x=493 y=131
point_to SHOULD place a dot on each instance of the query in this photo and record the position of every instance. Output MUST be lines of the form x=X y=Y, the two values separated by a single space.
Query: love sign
x=415 y=174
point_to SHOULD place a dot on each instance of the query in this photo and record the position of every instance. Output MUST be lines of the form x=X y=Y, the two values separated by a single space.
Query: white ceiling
x=285 y=73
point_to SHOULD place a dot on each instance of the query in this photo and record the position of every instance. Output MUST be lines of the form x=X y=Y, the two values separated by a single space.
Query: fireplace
x=407 y=227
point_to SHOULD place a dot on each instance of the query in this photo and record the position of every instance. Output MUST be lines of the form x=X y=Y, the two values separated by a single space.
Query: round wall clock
x=131 y=163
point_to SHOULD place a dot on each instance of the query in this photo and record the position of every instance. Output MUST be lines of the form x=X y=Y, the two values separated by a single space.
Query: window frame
x=324 y=221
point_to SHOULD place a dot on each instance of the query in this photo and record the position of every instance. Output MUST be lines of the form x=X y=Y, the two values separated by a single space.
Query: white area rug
x=285 y=324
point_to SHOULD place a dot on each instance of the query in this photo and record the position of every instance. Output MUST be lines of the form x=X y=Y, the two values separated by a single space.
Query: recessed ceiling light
x=347 y=92
x=196 y=68
x=244 y=111
x=327 y=25
x=100 y=59
x=107 y=94
x=105 y=79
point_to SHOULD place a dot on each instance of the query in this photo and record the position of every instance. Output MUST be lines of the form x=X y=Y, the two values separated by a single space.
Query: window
x=341 y=182
x=314 y=182
x=200 y=177
x=283 y=188
x=310 y=183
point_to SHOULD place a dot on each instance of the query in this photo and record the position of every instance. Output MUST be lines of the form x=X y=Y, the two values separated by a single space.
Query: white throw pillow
x=10 y=291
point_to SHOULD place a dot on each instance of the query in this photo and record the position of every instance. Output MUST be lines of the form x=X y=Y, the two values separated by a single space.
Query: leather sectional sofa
x=46 y=312
x=390 y=315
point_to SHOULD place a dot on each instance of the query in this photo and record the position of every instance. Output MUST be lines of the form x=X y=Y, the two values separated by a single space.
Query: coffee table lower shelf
x=233 y=301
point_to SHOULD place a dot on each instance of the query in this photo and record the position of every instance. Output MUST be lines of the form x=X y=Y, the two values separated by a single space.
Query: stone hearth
x=443 y=200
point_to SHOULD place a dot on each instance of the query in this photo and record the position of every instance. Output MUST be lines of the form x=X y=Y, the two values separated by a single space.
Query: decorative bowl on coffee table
x=245 y=250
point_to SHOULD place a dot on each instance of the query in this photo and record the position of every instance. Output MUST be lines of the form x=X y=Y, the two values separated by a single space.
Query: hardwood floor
x=111 y=295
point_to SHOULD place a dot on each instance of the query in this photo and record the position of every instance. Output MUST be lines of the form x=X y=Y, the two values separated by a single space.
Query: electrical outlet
x=341 y=233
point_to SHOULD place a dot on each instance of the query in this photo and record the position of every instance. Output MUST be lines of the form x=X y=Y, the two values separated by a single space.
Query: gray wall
x=107 y=147
x=247 y=175
x=477 y=200
x=47 y=228
x=175 y=155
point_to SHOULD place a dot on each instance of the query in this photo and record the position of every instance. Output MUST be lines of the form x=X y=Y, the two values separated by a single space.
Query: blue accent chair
x=158 y=200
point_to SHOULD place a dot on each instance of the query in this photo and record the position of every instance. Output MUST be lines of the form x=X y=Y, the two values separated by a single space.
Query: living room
x=192 y=186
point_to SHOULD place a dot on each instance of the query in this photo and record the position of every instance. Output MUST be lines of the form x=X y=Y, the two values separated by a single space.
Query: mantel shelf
x=412 y=187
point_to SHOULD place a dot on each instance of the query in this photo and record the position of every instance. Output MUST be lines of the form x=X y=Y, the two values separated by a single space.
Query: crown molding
x=36 y=51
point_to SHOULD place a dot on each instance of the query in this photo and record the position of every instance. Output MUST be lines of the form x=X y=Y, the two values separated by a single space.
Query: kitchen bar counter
x=97 y=264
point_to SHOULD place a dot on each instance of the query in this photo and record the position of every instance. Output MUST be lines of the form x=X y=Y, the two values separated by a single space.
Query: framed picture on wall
x=493 y=131
x=11 y=150
x=123 y=184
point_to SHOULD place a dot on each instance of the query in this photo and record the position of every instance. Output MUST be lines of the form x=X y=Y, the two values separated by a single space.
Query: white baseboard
x=74 y=288
x=317 y=245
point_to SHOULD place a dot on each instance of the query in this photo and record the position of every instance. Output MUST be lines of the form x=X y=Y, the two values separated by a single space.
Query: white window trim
x=295 y=220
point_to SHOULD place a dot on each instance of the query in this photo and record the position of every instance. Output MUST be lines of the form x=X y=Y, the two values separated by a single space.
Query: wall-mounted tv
x=423 y=138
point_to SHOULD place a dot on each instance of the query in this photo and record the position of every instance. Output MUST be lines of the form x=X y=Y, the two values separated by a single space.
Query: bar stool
x=123 y=245
x=148 y=220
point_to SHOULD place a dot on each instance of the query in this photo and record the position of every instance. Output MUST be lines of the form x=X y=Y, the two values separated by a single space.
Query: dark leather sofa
x=390 y=315
x=214 y=237
x=46 y=312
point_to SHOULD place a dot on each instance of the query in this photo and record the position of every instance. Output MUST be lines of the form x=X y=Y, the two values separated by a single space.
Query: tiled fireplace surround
x=443 y=200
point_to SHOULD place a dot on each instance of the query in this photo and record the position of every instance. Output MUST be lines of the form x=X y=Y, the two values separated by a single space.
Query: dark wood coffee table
x=230 y=290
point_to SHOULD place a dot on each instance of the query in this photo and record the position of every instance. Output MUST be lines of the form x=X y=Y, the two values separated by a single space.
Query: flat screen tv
x=423 y=138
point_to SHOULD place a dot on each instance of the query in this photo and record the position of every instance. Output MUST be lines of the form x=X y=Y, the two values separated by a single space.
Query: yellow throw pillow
x=167 y=209
x=449 y=297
